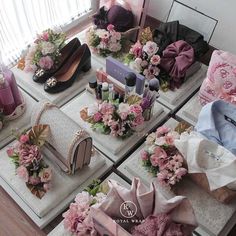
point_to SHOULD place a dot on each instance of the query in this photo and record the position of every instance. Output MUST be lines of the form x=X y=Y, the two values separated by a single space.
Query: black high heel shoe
x=40 y=75
x=80 y=61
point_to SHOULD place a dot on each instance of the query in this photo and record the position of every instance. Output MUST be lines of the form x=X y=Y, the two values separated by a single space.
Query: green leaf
x=38 y=134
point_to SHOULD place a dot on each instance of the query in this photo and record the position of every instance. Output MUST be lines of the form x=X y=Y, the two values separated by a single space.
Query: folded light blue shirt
x=217 y=122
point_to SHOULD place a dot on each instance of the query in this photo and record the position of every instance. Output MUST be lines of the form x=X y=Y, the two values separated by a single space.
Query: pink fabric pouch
x=221 y=79
x=128 y=211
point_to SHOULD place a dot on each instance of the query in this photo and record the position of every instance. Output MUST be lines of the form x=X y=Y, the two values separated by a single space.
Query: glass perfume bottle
x=6 y=97
x=105 y=91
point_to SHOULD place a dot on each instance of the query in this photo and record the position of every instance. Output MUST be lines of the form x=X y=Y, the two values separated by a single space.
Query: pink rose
x=47 y=186
x=22 y=172
x=154 y=160
x=34 y=180
x=45 y=174
x=160 y=153
x=44 y=36
x=136 y=49
x=106 y=108
x=46 y=62
x=163 y=177
x=110 y=27
x=144 y=155
x=162 y=131
x=97 y=117
x=10 y=152
x=150 y=48
x=155 y=60
x=24 y=138
x=136 y=109
x=139 y=120
x=160 y=141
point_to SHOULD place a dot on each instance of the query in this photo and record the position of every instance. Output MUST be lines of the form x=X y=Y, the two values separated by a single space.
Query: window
x=21 y=20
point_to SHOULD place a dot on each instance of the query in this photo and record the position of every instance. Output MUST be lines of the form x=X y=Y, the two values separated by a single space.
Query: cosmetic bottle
x=6 y=97
x=9 y=76
x=130 y=84
x=93 y=87
x=105 y=91
x=99 y=91
x=111 y=92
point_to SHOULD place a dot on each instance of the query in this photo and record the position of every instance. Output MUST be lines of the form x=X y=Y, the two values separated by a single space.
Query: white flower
x=93 y=109
x=136 y=65
x=47 y=48
x=116 y=35
x=115 y=47
x=124 y=108
x=150 y=139
x=151 y=149
x=83 y=199
x=160 y=141
x=150 y=48
x=101 y=33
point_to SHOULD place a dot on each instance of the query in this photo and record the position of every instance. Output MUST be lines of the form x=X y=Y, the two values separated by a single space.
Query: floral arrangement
x=162 y=158
x=105 y=42
x=113 y=118
x=143 y=59
x=77 y=219
x=45 y=52
x=28 y=159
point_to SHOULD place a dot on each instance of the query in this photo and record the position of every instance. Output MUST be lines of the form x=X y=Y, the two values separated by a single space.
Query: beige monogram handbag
x=72 y=146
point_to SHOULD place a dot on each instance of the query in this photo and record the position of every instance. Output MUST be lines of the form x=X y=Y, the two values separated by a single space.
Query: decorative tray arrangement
x=113 y=147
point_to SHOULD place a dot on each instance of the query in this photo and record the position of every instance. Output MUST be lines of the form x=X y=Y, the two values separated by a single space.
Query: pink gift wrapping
x=221 y=79
x=140 y=203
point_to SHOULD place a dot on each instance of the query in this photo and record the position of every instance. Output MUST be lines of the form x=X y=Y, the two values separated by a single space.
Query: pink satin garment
x=221 y=79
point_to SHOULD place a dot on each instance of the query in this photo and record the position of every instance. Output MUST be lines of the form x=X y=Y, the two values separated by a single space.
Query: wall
x=224 y=11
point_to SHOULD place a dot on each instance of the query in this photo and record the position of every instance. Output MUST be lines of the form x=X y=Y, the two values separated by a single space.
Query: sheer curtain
x=21 y=20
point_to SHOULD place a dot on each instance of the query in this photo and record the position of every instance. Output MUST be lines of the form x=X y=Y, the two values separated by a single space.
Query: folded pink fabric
x=160 y=225
x=221 y=79
x=149 y=203
x=176 y=59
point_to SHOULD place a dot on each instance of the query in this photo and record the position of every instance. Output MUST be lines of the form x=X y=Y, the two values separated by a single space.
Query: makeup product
x=105 y=91
x=101 y=75
x=99 y=91
x=6 y=97
x=111 y=92
x=130 y=84
x=93 y=87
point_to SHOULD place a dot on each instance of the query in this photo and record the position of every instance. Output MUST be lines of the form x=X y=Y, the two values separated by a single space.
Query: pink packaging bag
x=221 y=79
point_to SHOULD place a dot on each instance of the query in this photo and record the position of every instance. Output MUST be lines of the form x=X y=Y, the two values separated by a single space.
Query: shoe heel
x=87 y=66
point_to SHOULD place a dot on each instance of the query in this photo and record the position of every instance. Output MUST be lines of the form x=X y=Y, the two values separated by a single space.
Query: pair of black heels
x=75 y=58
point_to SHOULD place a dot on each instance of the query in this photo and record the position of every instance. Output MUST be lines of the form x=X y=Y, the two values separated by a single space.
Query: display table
x=60 y=231
x=22 y=122
x=174 y=99
x=63 y=191
x=214 y=218
x=36 y=90
x=112 y=147
x=190 y=111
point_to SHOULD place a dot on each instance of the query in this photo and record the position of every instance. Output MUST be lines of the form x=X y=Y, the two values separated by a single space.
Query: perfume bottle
x=130 y=84
x=6 y=97
x=9 y=76
x=111 y=92
x=93 y=87
x=105 y=91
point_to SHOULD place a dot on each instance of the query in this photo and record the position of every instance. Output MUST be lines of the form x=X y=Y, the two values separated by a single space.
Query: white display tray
x=213 y=217
x=174 y=99
x=63 y=191
x=190 y=111
x=22 y=122
x=59 y=229
x=113 y=147
x=36 y=90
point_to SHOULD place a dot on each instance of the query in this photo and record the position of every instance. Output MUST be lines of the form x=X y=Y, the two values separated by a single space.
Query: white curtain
x=21 y=20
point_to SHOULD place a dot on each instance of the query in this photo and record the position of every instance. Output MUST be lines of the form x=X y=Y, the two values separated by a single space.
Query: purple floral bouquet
x=143 y=59
x=162 y=158
x=45 y=52
x=119 y=120
x=105 y=42
x=28 y=159
x=77 y=219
